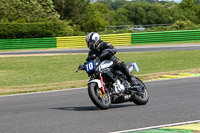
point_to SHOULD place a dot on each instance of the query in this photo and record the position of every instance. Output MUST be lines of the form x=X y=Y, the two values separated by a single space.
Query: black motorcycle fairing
x=122 y=98
x=108 y=74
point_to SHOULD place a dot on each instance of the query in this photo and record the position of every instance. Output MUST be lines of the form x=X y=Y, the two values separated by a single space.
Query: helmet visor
x=90 y=44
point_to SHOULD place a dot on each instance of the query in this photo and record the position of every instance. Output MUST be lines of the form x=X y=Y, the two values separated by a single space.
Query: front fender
x=96 y=81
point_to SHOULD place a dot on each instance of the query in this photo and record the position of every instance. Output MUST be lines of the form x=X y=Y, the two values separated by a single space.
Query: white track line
x=160 y=126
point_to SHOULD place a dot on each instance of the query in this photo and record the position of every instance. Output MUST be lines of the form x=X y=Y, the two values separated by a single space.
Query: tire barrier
x=125 y=39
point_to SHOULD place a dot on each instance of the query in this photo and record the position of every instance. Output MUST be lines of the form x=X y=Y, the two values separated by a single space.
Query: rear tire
x=102 y=101
x=141 y=98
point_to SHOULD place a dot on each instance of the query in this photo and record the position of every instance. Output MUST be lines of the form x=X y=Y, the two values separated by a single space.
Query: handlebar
x=80 y=68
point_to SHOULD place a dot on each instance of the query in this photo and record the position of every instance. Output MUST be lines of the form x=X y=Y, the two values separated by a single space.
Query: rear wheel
x=102 y=101
x=141 y=96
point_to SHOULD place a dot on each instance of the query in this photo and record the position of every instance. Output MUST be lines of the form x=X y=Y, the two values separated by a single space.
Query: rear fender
x=96 y=81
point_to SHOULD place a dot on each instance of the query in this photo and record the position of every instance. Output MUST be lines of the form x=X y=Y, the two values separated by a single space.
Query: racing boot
x=134 y=84
x=137 y=87
x=131 y=79
x=129 y=76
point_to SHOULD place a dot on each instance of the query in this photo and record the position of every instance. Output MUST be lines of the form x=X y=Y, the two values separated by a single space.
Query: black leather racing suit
x=107 y=52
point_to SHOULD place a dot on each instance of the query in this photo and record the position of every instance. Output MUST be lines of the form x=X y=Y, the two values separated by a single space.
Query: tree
x=120 y=17
x=197 y=1
x=113 y=4
x=187 y=4
x=149 y=1
x=191 y=10
x=27 y=10
x=144 y=13
x=71 y=9
x=95 y=18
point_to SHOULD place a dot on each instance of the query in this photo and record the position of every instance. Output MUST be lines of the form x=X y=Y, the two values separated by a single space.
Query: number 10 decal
x=89 y=67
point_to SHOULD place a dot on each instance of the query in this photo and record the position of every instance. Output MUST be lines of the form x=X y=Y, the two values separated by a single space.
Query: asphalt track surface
x=119 y=49
x=71 y=111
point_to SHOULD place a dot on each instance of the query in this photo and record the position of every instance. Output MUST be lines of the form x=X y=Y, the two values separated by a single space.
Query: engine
x=119 y=88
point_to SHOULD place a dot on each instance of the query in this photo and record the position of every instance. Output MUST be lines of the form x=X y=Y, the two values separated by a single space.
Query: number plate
x=89 y=67
x=136 y=67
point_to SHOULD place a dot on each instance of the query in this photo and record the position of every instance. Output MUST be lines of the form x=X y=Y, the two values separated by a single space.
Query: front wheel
x=102 y=101
x=141 y=96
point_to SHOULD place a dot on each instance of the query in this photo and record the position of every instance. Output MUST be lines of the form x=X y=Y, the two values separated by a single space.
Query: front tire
x=141 y=97
x=102 y=101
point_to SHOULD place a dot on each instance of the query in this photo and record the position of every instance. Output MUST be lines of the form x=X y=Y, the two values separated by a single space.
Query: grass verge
x=44 y=73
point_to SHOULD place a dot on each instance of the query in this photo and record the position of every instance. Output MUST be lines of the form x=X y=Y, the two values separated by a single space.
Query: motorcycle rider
x=105 y=51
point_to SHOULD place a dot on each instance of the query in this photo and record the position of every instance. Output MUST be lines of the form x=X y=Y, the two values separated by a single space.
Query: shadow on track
x=92 y=108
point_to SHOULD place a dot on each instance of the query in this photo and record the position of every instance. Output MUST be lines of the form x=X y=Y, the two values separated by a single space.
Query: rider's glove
x=92 y=57
x=88 y=59
x=81 y=67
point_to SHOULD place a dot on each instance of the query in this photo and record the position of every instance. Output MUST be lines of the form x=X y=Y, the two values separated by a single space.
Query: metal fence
x=134 y=27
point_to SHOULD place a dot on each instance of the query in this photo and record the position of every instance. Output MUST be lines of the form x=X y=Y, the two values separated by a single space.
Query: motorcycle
x=108 y=86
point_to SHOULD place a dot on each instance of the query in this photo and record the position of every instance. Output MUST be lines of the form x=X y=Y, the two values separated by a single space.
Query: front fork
x=102 y=88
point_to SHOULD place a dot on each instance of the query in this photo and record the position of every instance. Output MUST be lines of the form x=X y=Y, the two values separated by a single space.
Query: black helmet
x=94 y=38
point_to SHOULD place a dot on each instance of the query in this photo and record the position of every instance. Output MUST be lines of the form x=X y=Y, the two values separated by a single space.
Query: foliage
x=197 y=1
x=32 y=30
x=191 y=10
x=178 y=25
x=120 y=17
x=81 y=16
x=28 y=10
x=143 y=13
x=71 y=9
x=95 y=18
x=113 y=5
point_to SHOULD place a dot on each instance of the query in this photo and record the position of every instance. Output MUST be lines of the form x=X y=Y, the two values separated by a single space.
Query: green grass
x=42 y=73
x=155 y=62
